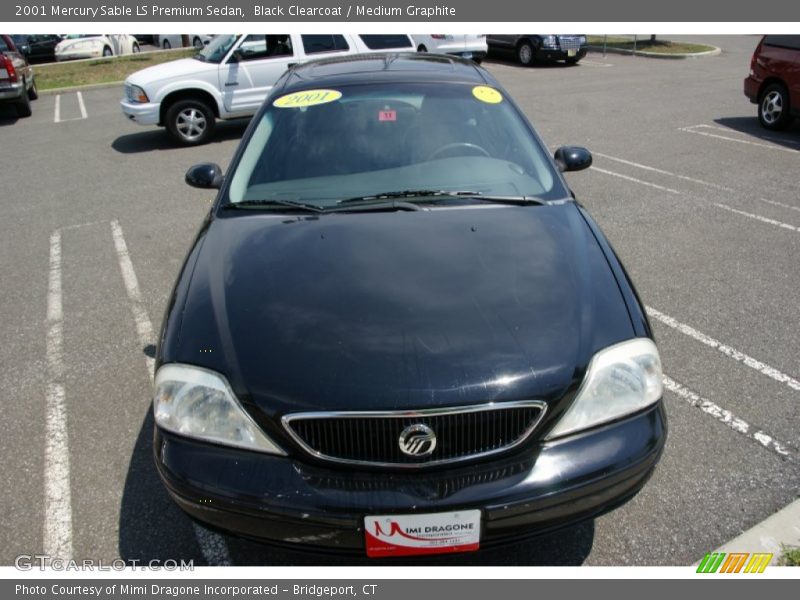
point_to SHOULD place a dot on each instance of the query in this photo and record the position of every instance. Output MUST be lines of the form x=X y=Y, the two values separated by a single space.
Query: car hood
x=182 y=68
x=399 y=310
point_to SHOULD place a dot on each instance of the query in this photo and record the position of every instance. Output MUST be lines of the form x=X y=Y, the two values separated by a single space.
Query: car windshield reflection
x=322 y=146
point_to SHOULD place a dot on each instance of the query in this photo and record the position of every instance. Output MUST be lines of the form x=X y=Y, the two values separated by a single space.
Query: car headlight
x=136 y=94
x=621 y=379
x=200 y=404
x=582 y=39
x=549 y=41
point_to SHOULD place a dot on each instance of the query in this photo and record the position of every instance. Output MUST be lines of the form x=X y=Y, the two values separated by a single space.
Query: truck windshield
x=217 y=48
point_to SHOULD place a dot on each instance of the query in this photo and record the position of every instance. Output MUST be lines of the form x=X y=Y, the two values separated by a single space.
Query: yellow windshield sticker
x=486 y=94
x=307 y=98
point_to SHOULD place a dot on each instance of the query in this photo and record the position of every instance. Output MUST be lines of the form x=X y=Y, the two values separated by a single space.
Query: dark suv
x=774 y=80
x=536 y=47
x=37 y=48
x=17 y=85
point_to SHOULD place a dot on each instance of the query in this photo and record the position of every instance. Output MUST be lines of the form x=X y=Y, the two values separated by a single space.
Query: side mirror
x=572 y=158
x=205 y=175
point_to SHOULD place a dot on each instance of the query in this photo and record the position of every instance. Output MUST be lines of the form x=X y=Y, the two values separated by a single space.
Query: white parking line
x=57 y=525
x=733 y=353
x=212 y=545
x=663 y=172
x=727 y=418
x=81 y=105
x=144 y=328
x=781 y=204
x=693 y=129
x=639 y=181
x=767 y=220
x=700 y=181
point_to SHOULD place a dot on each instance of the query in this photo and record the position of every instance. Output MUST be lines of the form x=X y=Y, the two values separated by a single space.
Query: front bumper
x=143 y=113
x=553 y=54
x=285 y=501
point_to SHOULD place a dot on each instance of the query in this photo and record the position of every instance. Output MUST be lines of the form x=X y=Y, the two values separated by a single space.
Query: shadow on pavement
x=789 y=138
x=158 y=139
x=152 y=527
x=8 y=114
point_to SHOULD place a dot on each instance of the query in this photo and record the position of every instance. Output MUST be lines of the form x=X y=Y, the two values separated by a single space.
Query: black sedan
x=397 y=332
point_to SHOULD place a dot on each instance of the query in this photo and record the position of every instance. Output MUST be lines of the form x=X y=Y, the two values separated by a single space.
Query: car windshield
x=217 y=48
x=319 y=147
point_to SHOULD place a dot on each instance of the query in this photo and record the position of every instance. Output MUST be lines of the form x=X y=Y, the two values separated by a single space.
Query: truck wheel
x=190 y=121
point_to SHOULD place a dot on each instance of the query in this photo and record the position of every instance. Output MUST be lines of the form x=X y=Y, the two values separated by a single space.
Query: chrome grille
x=373 y=438
x=569 y=42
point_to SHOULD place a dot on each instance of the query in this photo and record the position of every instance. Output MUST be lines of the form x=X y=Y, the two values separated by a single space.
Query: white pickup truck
x=231 y=77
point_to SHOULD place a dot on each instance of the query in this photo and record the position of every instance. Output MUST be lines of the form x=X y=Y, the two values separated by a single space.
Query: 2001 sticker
x=307 y=98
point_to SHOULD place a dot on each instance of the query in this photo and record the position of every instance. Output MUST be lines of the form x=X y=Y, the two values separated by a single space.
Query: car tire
x=190 y=121
x=33 y=93
x=422 y=48
x=197 y=43
x=107 y=51
x=135 y=48
x=24 y=106
x=166 y=45
x=774 y=110
x=525 y=53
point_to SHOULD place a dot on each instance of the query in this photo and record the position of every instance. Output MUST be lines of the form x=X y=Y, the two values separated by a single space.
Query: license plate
x=467 y=55
x=432 y=533
x=571 y=52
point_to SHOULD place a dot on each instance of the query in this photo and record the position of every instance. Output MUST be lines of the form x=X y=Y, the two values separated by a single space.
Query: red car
x=774 y=80
x=17 y=85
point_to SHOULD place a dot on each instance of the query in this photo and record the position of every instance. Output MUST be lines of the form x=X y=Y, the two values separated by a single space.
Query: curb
x=75 y=88
x=609 y=50
x=782 y=528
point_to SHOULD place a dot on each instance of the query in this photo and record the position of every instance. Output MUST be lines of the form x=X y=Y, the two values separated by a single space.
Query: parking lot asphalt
x=701 y=204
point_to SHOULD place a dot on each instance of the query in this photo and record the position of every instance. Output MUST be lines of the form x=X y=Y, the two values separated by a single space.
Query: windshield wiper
x=441 y=194
x=405 y=194
x=275 y=202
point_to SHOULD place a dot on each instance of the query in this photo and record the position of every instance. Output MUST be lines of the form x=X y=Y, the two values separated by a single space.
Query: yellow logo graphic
x=307 y=98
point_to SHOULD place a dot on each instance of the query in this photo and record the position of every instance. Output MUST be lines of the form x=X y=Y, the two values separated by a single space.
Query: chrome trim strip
x=402 y=414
